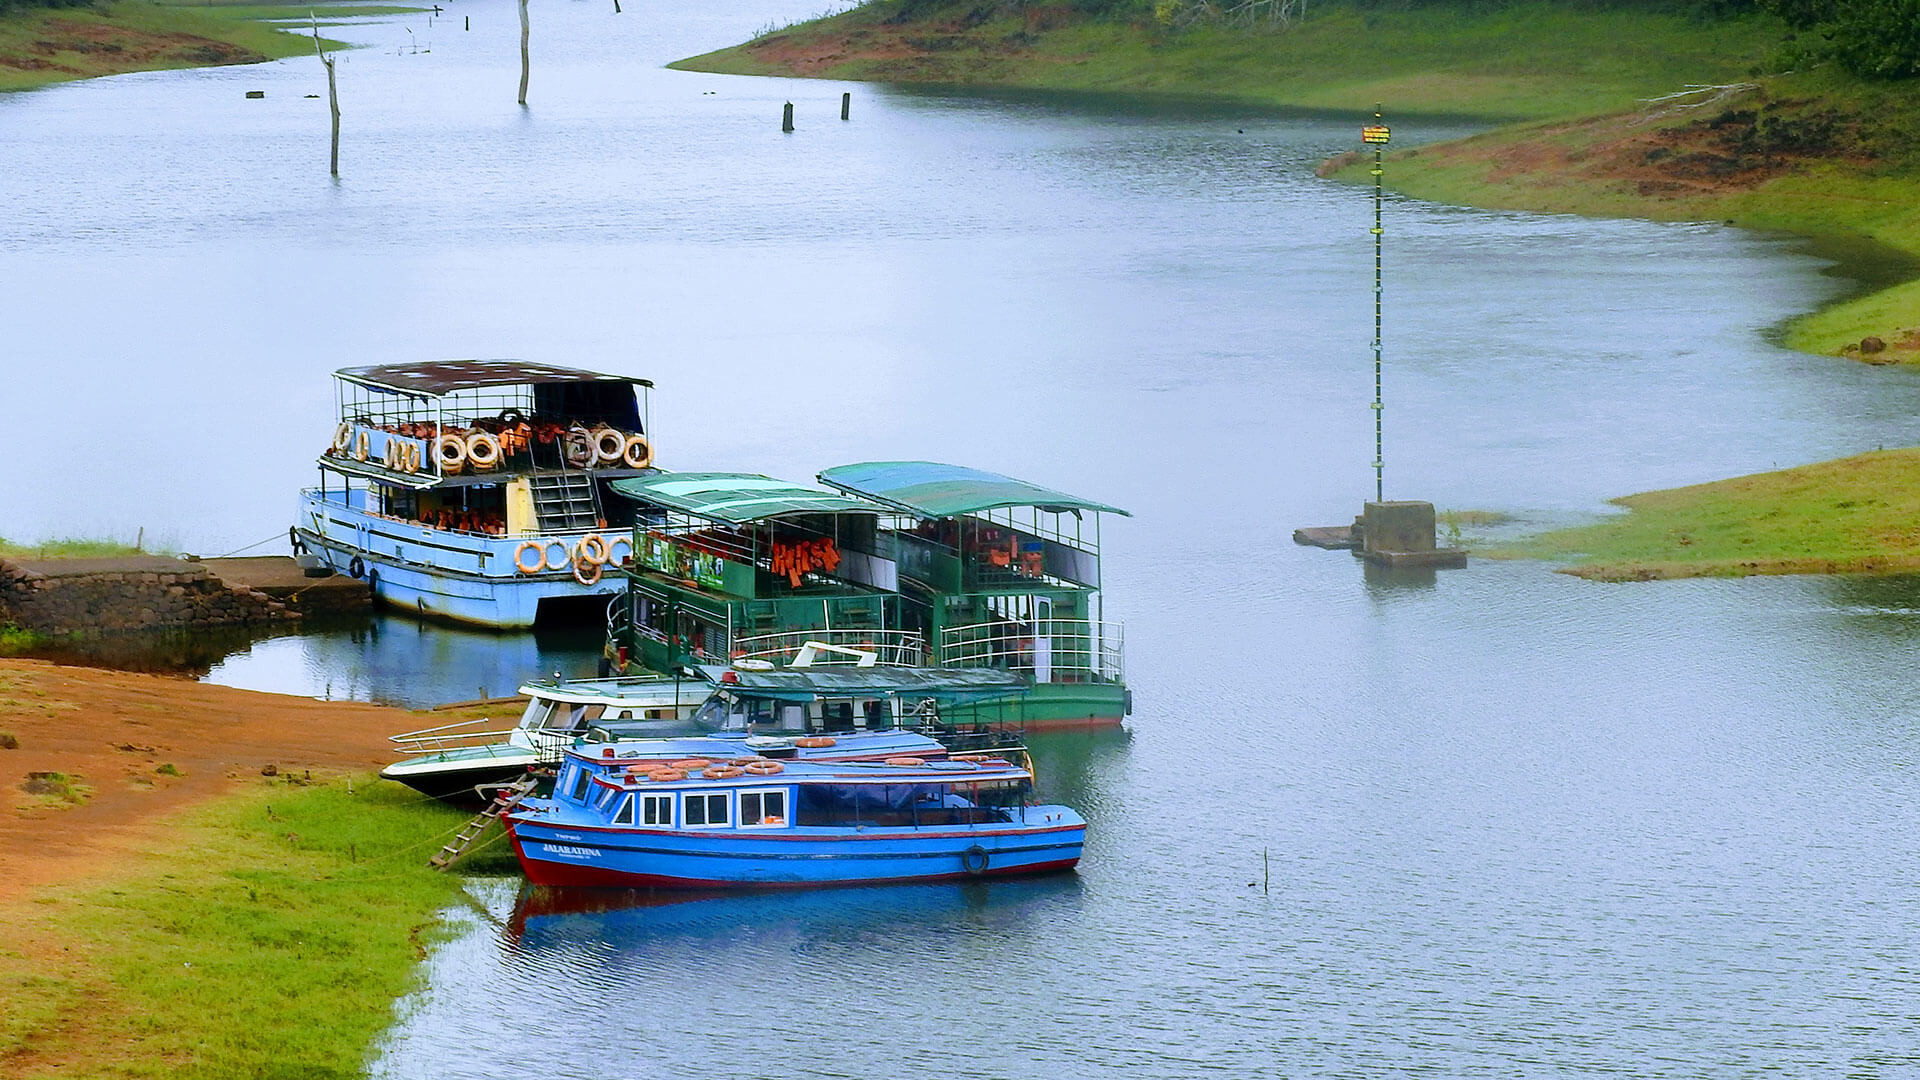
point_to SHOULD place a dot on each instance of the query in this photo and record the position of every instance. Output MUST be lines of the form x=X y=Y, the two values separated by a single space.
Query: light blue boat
x=619 y=822
x=477 y=491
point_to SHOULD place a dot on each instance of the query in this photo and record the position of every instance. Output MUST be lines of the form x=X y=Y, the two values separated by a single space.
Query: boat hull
x=460 y=783
x=453 y=577
x=1052 y=707
x=569 y=855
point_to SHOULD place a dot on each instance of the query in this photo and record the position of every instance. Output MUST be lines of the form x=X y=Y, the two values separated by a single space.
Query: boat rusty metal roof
x=446 y=376
x=739 y=498
x=934 y=490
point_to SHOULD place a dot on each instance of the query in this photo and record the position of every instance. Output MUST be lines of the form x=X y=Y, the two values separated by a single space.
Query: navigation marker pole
x=1399 y=534
x=1376 y=134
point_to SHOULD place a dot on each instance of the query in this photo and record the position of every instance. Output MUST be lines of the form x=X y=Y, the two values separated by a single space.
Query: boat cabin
x=733 y=566
x=479 y=490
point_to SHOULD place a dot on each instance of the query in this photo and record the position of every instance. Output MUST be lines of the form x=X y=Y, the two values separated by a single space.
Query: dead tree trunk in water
x=523 y=51
x=333 y=96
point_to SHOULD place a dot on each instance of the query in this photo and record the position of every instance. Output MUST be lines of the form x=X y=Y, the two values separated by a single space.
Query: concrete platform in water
x=283 y=579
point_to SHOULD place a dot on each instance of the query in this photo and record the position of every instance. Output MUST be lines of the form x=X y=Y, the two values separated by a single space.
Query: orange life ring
x=483 y=450
x=689 y=763
x=763 y=768
x=615 y=542
x=906 y=761
x=593 y=548
x=814 y=742
x=638 y=453
x=722 y=772
x=539 y=557
x=666 y=776
x=586 y=573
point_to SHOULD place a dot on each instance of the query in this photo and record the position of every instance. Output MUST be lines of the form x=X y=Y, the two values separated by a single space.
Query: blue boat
x=477 y=491
x=623 y=822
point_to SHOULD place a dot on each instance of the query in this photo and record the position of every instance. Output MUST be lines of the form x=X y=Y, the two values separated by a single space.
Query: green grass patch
x=56 y=789
x=1505 y=62
x=14 y=640
x=42 y=46
x=71 y=548
x=271 y=938
x=1854 y=515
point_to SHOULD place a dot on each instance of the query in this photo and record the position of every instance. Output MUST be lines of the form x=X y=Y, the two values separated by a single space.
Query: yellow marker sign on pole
x=1373 y=133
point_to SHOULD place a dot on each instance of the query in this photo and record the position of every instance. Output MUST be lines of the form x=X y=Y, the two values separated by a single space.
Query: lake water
x=1514 y=823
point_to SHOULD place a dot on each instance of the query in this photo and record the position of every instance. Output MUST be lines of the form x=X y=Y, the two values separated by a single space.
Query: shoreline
x=41 y=47
x=168 y=842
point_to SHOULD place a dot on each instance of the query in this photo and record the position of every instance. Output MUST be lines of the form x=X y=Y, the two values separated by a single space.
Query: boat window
x=577 y=717
x=536 y=714
x=763 y=807
x=656 y=810
x=712 y=716
x=581 y=778
x=705 y=810
x=625 y=816
x=604 y=799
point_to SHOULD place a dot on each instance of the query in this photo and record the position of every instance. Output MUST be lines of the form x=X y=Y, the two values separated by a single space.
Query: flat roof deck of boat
x=790 y=684
x=938 y=771
x=739 y=498
x=446 y=376
x=594 y=691
x=931 y=489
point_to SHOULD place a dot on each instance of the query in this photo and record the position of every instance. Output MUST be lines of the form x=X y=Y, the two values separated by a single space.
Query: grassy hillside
x=1505 y=63
x=1816 y=153
x=39 y=46
x=1858 y=514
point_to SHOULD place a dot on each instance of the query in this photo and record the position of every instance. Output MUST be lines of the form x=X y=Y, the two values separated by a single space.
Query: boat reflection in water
x=619 y=925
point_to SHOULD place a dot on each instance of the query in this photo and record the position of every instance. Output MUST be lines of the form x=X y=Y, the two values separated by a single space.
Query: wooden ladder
x=504 y=800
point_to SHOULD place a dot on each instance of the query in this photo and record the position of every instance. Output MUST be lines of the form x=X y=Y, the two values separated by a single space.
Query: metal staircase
x=564 y=501
x=506 y=799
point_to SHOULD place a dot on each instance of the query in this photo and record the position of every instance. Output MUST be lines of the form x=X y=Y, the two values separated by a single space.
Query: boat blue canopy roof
x=739 y=498
x=935 y=490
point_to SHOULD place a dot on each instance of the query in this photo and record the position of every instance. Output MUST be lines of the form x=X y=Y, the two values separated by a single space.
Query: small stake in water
x=525 y=69
x=1266 y=872
x=469 y=22
x=846 y=104
x=1376 y=135
x=786 y=118
x=333 y=96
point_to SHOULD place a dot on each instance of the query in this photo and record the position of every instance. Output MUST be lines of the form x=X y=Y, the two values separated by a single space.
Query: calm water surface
x=1515 y=824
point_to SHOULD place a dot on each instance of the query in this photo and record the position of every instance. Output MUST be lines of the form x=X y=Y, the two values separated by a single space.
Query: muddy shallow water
x=1515 y=823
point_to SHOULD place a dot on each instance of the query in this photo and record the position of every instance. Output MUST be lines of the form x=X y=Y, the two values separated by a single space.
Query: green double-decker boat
x=889 y=562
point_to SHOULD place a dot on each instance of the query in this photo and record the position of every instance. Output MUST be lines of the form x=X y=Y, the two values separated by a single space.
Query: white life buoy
x=450 y=451
x=362 y=447
x=342 y=438
x=546 y=554
x=614 y=544
x=586 y=573
x=608 y=445
x=483 y=450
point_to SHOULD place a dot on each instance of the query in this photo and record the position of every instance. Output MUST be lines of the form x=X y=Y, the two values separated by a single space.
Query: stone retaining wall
x=125 y=594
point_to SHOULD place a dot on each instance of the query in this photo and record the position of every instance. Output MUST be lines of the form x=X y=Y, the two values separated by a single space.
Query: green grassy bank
x=40 y=46
x=269 y=938
x=1855 y=515
x=1503 y=63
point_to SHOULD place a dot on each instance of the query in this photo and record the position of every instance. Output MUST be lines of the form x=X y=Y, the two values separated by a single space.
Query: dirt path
x=115 y=732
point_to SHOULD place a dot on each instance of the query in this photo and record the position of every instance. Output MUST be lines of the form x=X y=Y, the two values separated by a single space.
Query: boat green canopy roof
x=933 y=490
x=739 y=498
x=805 y=684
